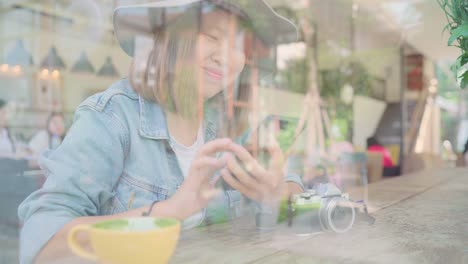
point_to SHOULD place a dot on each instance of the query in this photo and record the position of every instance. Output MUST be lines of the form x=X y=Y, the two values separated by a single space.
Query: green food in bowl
x=136 y=224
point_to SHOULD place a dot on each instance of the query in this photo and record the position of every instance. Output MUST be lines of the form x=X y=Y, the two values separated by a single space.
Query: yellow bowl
x=128 y=241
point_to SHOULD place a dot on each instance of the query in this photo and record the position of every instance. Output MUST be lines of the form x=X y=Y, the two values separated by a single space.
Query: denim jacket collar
x=153 y=123
x=152 y=120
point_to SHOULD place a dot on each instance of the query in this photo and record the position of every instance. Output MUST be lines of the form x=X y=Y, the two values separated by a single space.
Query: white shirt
x=185 y=156
x=6 y=146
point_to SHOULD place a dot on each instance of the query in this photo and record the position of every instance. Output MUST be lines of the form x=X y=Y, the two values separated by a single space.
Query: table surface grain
x=420 y=218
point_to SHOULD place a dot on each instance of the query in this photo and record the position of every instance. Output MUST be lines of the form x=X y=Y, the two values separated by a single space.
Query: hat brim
x=136 y=20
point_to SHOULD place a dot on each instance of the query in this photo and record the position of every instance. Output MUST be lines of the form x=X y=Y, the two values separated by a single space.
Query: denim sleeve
x=294 y=170
x=81 y=174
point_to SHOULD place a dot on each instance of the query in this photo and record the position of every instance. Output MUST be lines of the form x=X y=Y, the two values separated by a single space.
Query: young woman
x=51 y=137
x=373 y=145
x=7 y=144
x=145 y=141
x=465 y=154
x=12 y=155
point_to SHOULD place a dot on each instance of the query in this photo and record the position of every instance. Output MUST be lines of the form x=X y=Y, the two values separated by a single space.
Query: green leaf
x=455 y=68
x=460 y=31
x=464 y=59
x=464 y=80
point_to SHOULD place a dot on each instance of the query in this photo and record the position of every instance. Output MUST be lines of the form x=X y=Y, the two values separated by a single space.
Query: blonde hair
x=165 y=79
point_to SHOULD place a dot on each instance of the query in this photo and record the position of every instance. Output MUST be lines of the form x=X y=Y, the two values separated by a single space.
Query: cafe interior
x=365 y=97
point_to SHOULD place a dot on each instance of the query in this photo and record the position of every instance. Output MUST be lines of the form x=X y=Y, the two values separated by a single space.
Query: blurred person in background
x=51 y=137
x=389 y=168
x=465 y=154
x=12 y=161
x=7 y=144
x=373 y=145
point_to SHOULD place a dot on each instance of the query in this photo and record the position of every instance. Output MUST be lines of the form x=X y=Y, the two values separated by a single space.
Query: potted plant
x=456 y=12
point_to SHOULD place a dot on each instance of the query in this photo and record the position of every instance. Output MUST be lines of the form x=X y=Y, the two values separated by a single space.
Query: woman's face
x=57 y=125
x=220 y=57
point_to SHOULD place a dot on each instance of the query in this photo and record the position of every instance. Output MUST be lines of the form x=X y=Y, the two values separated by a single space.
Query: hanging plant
x=352 y=73
x=294 y=76
x=456 y=12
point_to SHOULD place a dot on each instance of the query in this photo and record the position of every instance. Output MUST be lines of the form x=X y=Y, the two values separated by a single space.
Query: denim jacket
x=115 y=157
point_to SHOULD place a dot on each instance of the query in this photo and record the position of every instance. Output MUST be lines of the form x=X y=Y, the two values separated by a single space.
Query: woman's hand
x=197 y=189
x=247 y=176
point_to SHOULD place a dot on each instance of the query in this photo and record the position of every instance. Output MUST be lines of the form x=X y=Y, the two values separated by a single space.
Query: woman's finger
x=206 y=167
x=277 y=162
x=210 y=193
x=217 y=145
x=250 y=164
x=242 y=153
x=277 y=156
x=209 y=163
x=263 y=177
x=235 y=184
x=241 y=175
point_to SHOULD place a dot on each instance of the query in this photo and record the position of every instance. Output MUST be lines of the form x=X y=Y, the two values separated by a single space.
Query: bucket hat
x=132 y=20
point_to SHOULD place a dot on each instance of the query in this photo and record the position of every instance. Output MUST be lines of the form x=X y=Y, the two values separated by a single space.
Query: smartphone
x=285 y=130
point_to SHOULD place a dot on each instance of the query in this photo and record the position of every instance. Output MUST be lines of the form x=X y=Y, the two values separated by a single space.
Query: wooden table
x=420 y=218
